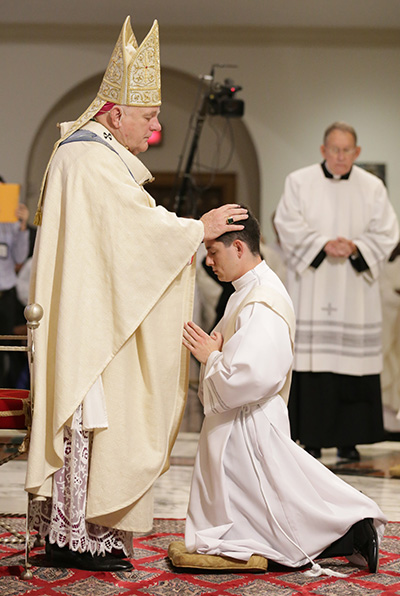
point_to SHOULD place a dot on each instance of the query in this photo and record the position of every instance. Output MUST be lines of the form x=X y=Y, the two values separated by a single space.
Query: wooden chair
x=15 y=418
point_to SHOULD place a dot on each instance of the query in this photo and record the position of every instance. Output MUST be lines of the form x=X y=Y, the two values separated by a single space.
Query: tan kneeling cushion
x=181 y=558
x=394 y=471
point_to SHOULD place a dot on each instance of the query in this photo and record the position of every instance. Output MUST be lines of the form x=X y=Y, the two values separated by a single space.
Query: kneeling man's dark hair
x=250 y=234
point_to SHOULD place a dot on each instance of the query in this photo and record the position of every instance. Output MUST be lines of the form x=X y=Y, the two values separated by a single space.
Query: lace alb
x=62 y=517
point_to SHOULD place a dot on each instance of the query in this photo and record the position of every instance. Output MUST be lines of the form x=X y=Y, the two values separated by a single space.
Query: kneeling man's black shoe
x=366 y=543
x=65 y=558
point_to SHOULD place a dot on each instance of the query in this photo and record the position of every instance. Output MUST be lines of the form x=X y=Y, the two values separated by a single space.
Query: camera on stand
x=221 y=100
x=218 y=99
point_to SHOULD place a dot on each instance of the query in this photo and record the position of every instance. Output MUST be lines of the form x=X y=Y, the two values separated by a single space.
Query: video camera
x=221 y=100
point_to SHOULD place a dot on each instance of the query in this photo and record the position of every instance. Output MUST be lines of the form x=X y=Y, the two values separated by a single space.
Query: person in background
x=390 y=378
x=337 y=228
x=14 y=249
x=273 y=254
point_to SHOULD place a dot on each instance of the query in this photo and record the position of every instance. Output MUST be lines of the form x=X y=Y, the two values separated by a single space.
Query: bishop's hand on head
x=219 y=221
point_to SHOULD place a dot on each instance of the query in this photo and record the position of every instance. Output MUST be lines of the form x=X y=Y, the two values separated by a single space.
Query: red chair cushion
x=11 y=408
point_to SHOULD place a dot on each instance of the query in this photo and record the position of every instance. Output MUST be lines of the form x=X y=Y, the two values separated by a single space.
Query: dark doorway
x=207 y=192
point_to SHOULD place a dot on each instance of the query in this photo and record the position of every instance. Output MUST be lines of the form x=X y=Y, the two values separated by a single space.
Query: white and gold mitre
x=132 y=78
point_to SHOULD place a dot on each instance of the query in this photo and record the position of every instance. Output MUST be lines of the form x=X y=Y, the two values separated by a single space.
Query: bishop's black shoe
x=65 y=558
x=366 y=543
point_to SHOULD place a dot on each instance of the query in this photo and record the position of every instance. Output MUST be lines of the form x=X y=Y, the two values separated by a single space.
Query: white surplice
x=254 y=490
x=338 y=310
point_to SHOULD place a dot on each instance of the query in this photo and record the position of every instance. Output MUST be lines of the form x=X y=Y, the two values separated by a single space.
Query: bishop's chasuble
x=111 y=271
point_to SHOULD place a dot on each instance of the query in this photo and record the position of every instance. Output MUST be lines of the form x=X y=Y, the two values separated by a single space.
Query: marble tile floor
x=172 y=489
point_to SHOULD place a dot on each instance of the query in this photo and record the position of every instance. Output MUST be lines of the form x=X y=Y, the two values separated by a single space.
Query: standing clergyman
x=337 y=228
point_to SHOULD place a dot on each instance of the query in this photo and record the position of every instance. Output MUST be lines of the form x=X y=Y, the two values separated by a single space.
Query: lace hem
x=62 y=518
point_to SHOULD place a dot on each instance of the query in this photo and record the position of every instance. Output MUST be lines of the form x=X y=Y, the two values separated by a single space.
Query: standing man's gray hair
x=344 y=127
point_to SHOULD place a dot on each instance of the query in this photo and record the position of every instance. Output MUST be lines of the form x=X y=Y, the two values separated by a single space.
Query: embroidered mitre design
x=132 y=78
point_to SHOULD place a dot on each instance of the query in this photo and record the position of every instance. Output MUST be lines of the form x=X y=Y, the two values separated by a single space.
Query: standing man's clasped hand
x=199 y=342
x=340 y=247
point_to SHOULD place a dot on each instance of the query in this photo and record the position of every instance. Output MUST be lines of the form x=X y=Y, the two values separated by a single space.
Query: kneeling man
x=254 y=490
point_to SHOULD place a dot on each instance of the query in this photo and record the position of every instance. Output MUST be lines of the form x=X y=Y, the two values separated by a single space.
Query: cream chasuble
x=254 y=490
x=338 y=314
x=111 y=272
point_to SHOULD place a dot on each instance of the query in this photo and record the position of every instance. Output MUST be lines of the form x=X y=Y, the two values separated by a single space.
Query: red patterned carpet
x=154 y=575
